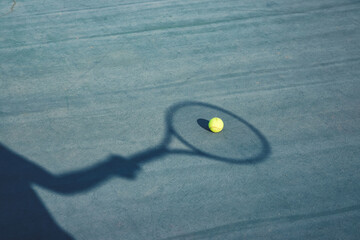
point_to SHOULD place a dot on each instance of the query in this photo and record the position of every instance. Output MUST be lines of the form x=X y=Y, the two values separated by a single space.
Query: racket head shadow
x=238 y=143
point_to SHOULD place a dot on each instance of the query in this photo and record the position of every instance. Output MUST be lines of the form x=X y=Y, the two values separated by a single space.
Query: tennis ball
x=216 y=125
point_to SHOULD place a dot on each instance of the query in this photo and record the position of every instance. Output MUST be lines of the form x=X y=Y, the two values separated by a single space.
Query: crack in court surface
x=11 y=9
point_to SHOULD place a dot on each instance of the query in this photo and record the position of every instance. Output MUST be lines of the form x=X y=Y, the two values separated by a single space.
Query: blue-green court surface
x=104 y=107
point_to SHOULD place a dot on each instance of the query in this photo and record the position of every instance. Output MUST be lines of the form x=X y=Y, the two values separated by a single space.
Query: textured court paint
x=81 y=80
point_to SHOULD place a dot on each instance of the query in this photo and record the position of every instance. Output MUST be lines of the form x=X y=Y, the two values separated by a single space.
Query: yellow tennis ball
x=216 y=125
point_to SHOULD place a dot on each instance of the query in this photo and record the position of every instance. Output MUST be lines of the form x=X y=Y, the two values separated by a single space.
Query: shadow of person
x=23 y=215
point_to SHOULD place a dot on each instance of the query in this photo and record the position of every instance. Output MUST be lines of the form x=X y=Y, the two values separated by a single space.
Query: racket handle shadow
x=148 y=155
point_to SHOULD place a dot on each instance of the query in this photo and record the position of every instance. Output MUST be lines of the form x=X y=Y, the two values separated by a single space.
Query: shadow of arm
x=85 y=179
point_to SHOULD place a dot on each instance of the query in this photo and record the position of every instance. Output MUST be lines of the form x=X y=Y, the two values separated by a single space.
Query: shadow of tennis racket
x=239 y=142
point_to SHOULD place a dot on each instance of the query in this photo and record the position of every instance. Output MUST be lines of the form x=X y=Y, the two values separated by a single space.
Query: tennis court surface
x=104 y=107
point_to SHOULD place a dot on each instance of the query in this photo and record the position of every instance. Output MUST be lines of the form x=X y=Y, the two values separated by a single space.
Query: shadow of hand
x=122 y=167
